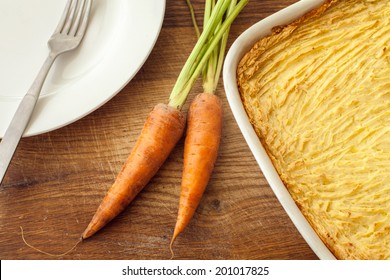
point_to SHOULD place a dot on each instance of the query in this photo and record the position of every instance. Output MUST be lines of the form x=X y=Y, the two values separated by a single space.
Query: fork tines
x=75 y=17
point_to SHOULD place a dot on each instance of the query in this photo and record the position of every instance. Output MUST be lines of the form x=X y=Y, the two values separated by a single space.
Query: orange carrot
x=162 y=130
x=204 y=125
x=164 y=126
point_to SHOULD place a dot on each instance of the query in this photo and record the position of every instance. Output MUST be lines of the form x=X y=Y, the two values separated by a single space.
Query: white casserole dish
x=242 y=45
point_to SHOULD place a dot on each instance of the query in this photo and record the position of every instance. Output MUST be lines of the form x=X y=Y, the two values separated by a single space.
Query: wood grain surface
x=57 y=179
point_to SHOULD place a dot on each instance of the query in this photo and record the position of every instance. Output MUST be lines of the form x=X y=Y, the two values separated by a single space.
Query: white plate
x=119 y=39
x=237 y=50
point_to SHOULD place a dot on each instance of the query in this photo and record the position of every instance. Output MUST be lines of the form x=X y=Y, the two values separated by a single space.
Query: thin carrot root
x=171 y=249
x=204 y=128
x=162 y=130
x=47 y=253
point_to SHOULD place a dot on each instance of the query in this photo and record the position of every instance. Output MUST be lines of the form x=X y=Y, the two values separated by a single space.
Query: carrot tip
x=85 y=235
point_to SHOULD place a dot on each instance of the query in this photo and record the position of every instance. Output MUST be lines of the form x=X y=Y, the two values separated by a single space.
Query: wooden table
x=57 y=179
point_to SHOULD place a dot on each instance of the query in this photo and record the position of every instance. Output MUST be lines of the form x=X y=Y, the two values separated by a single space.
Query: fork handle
x=22 y=116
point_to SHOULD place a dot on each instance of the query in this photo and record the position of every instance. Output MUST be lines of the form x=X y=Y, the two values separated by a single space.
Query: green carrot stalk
x=213 y=31
x=189 y=4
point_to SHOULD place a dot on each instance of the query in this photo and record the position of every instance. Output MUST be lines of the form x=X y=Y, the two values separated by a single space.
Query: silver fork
x=66 y=37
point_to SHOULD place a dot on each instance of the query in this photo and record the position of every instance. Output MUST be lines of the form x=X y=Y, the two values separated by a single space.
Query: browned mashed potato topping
x=318 y=93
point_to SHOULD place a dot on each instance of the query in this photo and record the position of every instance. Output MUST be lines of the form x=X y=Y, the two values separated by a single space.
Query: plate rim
x=239 y=47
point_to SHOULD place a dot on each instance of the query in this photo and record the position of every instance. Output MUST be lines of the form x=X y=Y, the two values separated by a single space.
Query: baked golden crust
x=317 y=93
